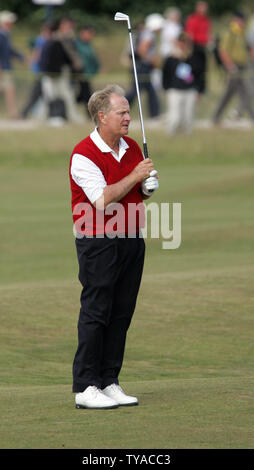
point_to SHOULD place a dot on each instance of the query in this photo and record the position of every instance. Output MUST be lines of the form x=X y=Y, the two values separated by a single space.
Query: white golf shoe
x=115 y=392
x=93 y=398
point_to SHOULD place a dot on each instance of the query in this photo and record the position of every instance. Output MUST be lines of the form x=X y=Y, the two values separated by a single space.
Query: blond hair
x=100 y=101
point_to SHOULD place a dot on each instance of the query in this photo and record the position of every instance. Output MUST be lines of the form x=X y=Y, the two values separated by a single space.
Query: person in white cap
x=7 y=52
x=146 y=61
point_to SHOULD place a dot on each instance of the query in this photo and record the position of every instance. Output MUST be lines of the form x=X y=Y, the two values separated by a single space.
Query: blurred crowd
x=171 y=60
x=63 y=64
x=179 y=65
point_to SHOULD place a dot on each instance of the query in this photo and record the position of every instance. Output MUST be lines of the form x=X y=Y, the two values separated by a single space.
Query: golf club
x=122 y=17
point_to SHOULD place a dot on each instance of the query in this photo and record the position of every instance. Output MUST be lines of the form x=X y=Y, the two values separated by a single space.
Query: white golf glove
x=150 y=184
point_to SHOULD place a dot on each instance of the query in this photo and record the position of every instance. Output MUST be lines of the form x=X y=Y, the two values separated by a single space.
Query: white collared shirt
x=87 y=175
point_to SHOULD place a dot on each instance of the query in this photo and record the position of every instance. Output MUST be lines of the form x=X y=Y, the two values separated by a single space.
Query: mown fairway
x=189 y=354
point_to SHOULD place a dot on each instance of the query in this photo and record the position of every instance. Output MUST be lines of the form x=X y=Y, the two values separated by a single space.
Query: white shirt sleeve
x=88 y=176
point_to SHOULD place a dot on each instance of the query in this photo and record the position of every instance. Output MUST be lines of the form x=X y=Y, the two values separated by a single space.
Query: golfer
x=109 y=177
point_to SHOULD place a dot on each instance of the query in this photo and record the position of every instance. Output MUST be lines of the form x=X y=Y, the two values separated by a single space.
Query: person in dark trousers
x=90 y=62
x=146 y=61
x=198 y=26
x=234 y=55
x=107 y=173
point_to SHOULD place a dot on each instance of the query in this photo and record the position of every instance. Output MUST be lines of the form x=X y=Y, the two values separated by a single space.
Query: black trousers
x=84 y=93
x=110 y=271
x=35 y=94
x=200 y=63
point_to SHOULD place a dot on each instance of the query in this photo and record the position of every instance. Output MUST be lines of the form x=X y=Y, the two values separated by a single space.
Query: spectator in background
x=171 y=30
x=238 y=111
x=90 y=62
x=198 y=26
x=180 y=75
x=68 y=40
x=57 y=62
x=7 y=53
x=250 y=42
x=250 y=32
x=36 y=90
x=234 y=55
x=146 y=62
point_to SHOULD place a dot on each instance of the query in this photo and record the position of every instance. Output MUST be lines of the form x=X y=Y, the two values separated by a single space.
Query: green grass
x=189 y=354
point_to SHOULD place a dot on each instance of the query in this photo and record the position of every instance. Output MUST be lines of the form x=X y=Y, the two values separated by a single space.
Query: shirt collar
x=101 y=144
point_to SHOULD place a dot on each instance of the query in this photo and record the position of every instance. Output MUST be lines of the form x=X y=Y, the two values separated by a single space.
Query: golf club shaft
x=138 y=93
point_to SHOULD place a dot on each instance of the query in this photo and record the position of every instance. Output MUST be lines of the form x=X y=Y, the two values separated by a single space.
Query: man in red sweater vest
x=109 y=179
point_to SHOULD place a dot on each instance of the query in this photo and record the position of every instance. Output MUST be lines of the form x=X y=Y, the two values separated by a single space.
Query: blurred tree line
x=95 y=8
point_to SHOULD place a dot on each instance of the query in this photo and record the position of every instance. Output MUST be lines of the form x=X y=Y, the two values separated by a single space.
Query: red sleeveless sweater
x=128 y=218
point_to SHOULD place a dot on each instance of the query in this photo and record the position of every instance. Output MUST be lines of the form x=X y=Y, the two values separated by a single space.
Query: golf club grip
x=145 y=150
x=146 y=156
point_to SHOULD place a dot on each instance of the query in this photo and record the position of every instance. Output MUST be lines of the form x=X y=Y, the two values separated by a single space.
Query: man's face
x=66 y=26
x=202 y=8
x=117 y=120
x=8 y=25
x=240 y=22
x=87 y=35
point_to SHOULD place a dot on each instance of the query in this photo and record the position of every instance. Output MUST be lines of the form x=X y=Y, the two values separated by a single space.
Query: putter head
x=122 y=17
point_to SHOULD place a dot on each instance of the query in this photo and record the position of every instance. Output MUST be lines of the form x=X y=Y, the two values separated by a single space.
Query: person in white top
x=170 y=31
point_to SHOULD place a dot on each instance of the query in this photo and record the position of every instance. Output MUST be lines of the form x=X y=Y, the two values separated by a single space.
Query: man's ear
x=101 y=116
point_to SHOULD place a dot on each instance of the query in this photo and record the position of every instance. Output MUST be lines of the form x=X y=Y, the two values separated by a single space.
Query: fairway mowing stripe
x=39 y=284
x=140 y=384
x=201 y=272
x=146 y=278
x=34 y=218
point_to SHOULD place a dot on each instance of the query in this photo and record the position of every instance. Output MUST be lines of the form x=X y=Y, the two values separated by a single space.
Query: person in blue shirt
x=36 y=90
x=7 y=53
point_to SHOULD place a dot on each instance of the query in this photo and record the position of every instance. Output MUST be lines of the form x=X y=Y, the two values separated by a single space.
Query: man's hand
x=143 y=170
x=150 y=184
x=229 y=65
x=115 y=192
